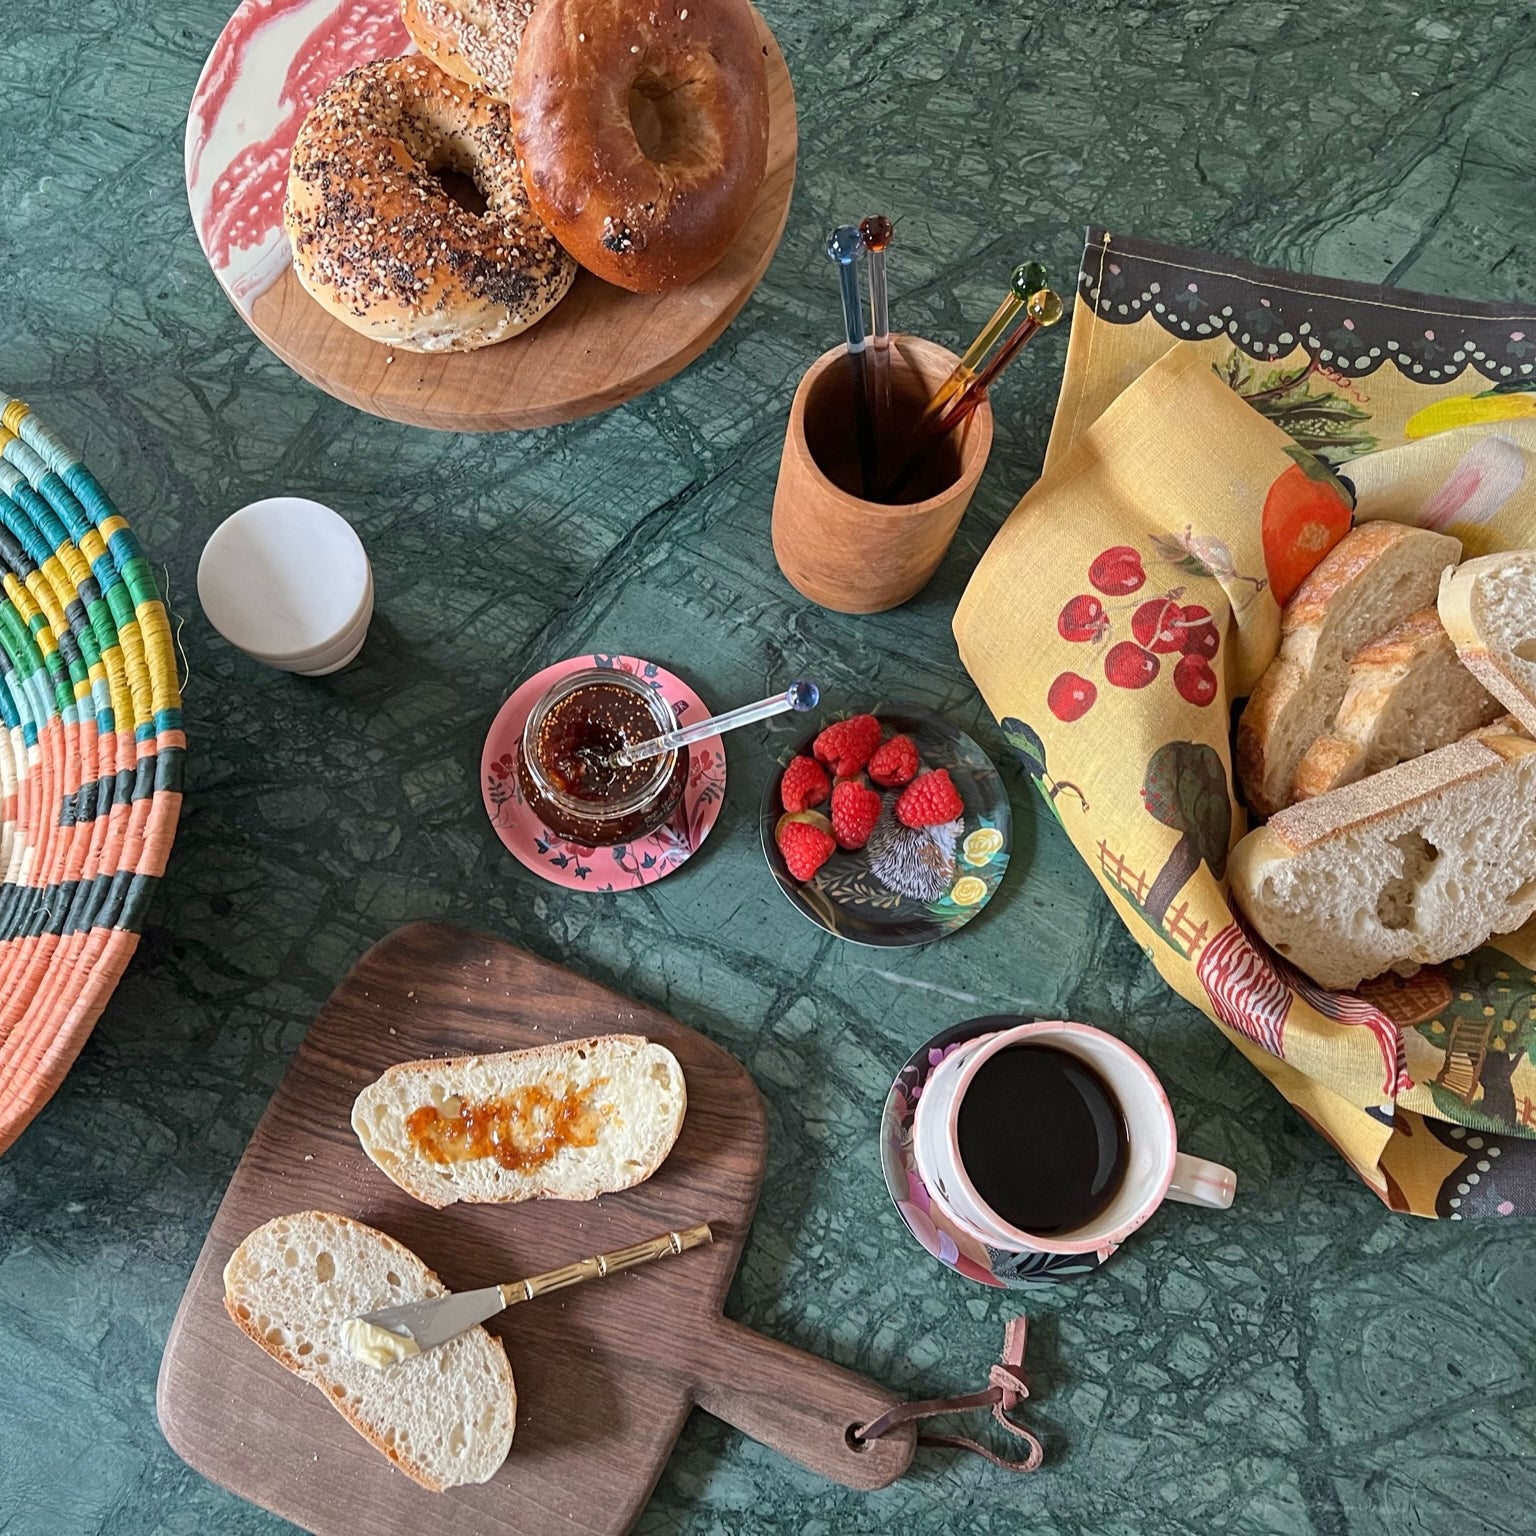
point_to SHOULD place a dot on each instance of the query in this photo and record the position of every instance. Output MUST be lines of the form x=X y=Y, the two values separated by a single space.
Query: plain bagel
x=643 y=131
x=378 y=241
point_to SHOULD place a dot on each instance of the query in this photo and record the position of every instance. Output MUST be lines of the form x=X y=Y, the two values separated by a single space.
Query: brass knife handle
x=606 y=1264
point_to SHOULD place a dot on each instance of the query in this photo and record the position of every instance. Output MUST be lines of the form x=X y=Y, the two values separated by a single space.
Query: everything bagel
x=377 y=239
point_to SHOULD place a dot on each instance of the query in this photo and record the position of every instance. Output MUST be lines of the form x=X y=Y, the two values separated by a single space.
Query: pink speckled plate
x=628 y=866
x=270 y=65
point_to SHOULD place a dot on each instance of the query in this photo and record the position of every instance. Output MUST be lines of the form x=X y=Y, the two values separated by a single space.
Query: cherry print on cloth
x=1131 y=629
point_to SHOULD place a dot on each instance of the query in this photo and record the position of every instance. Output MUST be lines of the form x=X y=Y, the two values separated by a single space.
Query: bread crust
x=1273 y=695
x=1348 y=562
x=1302 y=826
x=1329 y=763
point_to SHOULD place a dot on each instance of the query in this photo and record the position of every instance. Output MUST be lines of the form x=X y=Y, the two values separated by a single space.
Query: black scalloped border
x=1351 y=328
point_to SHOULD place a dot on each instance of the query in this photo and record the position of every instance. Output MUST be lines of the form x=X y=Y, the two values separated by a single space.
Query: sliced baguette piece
x=577 y=1120
x=1408 y=693
x=1372 y=579
x=444 y=1417
x=1488 y=607
x=1505 y=725
x=1415 y=865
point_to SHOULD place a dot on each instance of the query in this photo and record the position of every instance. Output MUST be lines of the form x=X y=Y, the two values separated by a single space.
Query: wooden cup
x=839 y=550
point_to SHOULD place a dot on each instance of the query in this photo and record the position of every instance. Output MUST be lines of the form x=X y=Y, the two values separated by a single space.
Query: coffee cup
x=1066 y=1129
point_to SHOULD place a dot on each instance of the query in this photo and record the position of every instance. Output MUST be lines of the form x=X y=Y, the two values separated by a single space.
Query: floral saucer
x=906 y=886
x=946 y=1242
x=627 y=866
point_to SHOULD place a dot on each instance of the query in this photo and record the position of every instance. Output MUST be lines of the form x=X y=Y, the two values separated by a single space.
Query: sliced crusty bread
x=1407 y=694
x=1488 y=607
x=444 y=1417
x=565 y=1122
x=1373 y=578
x=1414 y=865
x=1505 y=725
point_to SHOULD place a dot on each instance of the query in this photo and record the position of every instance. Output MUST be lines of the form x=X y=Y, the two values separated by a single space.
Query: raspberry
x=855 y=810
x=806 y=846
x=896 y=763
x=846 y=746
x=929 y=801
x=804 y=784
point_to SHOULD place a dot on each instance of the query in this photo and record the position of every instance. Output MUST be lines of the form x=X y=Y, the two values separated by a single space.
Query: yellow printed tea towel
x=1128 y=606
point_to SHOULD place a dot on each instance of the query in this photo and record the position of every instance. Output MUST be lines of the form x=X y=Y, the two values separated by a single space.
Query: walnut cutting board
x=605 y=1372
x=598 y=347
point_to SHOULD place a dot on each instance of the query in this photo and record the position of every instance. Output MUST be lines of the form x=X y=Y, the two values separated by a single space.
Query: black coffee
x=1042 y=1138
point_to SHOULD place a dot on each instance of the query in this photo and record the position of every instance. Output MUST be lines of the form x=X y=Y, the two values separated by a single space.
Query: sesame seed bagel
x=380 y=244
x=643 y=131
x=473 y=40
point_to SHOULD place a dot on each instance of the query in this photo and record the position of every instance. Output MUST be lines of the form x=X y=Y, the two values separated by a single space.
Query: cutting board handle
x=798 y=1404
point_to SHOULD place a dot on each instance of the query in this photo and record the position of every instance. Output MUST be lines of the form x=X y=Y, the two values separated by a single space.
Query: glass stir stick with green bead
x=800 y=696
x=1042 y=309
x=1029 y=277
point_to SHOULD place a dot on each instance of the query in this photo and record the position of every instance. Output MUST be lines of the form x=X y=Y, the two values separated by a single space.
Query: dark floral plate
x=906 y=886
x=946 y=1242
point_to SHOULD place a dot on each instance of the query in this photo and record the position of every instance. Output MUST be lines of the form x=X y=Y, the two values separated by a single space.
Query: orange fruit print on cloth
x=1307 y=511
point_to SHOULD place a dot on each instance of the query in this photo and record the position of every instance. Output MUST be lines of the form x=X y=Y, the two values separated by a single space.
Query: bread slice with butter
x=567 y=1121
x=445 y=1417
x=1488 y=607
x=1420 y=863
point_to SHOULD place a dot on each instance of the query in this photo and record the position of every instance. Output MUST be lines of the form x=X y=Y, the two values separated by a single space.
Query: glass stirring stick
x=801 y=696
x=1044 y=309
x=844 y=246
x=1029 y=277
x=876 y=233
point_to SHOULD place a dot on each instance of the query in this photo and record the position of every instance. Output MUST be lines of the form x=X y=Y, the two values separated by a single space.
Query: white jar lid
x=284 y=578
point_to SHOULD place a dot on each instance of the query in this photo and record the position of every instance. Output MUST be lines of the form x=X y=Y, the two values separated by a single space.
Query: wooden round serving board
x=598 y=347
x=606 y=1372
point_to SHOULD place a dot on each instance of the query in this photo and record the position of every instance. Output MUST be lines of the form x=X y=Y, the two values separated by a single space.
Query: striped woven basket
x=90 y=760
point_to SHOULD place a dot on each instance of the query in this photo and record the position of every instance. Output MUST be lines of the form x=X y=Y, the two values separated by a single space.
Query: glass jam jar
x=583 y=720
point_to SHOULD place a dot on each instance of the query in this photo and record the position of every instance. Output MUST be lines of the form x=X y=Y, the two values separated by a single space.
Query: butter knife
x=396 y=1333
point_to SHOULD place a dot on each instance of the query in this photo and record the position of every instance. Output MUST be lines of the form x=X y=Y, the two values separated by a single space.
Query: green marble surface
x=1308 y=1363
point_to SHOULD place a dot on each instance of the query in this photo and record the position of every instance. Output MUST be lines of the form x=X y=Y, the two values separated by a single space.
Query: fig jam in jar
x=563 y=765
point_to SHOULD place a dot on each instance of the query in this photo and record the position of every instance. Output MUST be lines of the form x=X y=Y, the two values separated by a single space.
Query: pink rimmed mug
x=1155 y=1168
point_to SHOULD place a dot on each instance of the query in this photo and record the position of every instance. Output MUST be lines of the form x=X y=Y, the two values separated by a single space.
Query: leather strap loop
x=1006 y=1389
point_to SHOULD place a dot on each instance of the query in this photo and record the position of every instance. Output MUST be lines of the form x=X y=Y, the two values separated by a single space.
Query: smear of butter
x=373 y=1345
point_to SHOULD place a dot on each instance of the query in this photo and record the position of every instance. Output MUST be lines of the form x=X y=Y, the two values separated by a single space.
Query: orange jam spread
x=521 y=1131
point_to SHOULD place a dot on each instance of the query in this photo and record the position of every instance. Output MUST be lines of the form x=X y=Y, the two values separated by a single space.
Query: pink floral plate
x=628 y=865
x=946 y=1242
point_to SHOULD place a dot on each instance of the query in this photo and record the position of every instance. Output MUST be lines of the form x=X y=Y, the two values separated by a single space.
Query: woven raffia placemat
x=90 y=756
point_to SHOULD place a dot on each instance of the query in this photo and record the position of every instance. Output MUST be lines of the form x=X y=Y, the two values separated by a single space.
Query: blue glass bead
x=845 y=244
